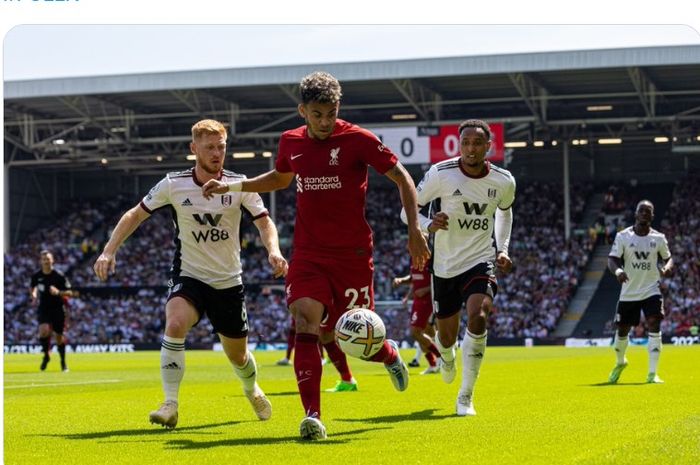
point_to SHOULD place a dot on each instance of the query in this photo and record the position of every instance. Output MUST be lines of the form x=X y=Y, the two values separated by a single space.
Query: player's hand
x=504 y=263
x=666 y=271
x=53 y=290
x=396 y=282
x=104 y=266
x=74 y=293
x=214 y=186
x=279 y=265
x=622 y=278
x=418 y=248
x=440 y=221
x=33 y=300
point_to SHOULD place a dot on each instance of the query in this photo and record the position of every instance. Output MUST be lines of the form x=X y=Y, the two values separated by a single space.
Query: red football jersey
x=331 y=179
x=420 y=279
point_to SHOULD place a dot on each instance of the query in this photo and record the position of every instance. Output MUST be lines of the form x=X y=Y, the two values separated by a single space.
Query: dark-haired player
x=331 y=269
x=475 y=208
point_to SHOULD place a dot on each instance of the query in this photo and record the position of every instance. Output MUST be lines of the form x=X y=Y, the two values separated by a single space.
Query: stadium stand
x=129 y=307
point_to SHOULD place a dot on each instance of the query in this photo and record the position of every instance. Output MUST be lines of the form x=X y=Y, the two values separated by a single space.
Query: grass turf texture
x=535 y=405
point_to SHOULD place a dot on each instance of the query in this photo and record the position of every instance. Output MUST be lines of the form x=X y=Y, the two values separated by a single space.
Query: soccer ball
x=360 y=333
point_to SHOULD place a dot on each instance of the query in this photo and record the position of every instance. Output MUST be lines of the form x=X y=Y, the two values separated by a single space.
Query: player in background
x=331 y=268
x=475 y=205
x=206 y=271
x=421 y=313
x=50 y=287
x=634 y=260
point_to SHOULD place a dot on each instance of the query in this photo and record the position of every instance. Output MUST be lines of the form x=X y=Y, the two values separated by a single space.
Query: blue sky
x=29 y=52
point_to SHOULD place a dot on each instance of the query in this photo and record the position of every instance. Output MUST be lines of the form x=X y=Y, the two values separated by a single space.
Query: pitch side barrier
x=265 y=346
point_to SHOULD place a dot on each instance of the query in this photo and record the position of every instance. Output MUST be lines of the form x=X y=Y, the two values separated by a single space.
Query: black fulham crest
x=226 y=200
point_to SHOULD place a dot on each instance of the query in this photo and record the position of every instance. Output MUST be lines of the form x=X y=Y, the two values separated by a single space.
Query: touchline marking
x=63 y=384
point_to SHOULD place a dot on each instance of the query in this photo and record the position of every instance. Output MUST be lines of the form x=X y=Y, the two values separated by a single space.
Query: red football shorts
x=338 y=283
x=420 y=312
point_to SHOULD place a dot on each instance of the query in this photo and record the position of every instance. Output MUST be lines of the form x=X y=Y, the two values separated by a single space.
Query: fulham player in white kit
x=206 y=272
x=475 y=200
x=634 y=259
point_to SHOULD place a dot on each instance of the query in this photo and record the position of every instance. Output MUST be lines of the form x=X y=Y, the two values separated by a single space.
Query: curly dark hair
x=320 y=87
x=475 y=123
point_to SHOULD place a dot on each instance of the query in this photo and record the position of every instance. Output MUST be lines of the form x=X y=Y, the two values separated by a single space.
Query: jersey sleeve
x=617 y=248
x=35 y=281
x=509 y=196
x=427 y=189
x=663 y=248
x=375 y=153
x=157 y=197
x=253 y=204
x=283 y=163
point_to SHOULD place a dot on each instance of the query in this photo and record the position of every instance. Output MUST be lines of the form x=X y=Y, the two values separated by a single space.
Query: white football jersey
x=207 y=235
x=640 y=257
x=470 y=203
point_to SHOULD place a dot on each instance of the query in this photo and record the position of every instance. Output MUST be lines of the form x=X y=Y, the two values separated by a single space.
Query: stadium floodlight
x=59 y=142
x=554 y=143
x=599 y=107
x=159 y=158
x=402 y=116
x=243 y=154
x=661 y=139
x=610 y=141
x=104 y=161
x=579 y=142
x=267 y=154
x=538 y=143
x=515 y=145
x=191 y=157
x=697 y=138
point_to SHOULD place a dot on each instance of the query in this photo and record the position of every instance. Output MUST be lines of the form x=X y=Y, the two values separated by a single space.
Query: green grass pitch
x=541 y=405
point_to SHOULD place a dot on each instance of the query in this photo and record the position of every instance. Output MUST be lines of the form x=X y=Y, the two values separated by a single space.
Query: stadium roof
x=128 y=120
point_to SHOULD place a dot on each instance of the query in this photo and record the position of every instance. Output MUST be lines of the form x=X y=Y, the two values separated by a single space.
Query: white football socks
x=447 y=353
x=654 y=347
x=473 y=350
x=172 y=365
x=247 y=373
x=620 y=346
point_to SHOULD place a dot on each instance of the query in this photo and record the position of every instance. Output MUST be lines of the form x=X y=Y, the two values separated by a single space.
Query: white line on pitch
x=63 y=384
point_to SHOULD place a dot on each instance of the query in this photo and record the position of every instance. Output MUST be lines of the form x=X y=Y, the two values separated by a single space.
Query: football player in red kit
x=331 y=269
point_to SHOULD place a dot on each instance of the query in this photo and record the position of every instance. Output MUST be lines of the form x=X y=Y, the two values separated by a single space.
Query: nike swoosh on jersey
x=294 y=157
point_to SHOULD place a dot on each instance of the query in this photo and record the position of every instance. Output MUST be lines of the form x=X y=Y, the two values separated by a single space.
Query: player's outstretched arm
x=267 y=182
x=106 y=263
x=417 y=245
x=270 y=239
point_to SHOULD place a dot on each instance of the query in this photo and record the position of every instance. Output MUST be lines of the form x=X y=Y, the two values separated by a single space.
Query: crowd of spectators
x=530 y=301
x=681 y=292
